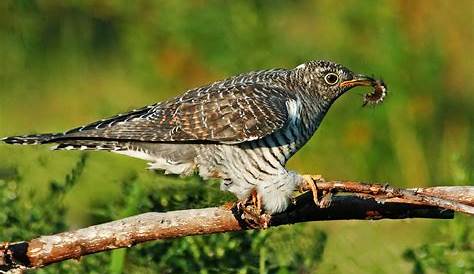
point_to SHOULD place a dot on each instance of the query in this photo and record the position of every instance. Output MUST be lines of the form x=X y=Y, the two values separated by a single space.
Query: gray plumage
x=242 y=130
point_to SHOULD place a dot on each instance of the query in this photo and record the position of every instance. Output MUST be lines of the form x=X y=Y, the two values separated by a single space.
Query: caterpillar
x=377 y=95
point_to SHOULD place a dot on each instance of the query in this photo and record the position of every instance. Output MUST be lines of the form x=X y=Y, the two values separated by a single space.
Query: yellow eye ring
x=331 y=78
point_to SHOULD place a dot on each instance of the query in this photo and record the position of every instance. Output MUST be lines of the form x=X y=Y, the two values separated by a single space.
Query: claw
x=251 y=209
x=325 y=202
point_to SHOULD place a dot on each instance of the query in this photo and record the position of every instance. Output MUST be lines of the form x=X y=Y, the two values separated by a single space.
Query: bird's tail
x=34 y=139
x=64 y=143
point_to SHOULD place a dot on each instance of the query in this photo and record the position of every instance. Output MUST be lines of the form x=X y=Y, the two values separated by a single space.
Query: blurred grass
x=67 y=63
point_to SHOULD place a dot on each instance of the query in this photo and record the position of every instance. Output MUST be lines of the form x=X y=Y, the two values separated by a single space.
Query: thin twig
x=457 y=198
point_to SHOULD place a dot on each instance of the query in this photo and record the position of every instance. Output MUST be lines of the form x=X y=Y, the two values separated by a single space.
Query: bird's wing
x=217 y=113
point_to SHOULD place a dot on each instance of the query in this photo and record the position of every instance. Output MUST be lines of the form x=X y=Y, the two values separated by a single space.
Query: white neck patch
x=293 y=107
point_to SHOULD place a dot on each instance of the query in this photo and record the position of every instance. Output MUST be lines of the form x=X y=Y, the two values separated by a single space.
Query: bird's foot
x=310 y=183
x=252 y=212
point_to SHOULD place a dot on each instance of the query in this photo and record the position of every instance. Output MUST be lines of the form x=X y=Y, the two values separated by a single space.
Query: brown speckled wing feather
x=217 y=113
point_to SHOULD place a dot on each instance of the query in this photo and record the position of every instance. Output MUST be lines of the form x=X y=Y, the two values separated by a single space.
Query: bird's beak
x=358 y=80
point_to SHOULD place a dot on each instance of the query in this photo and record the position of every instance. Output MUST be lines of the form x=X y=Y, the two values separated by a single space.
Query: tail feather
x=34 y=139
x=64 y=143
x=89 y=145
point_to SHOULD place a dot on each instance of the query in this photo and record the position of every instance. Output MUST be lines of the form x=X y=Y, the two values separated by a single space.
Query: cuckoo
x=241 y=130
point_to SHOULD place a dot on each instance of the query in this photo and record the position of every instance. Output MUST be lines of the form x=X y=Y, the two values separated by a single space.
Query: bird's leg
x=310 y=183
x=257 y=202
x=263 y=218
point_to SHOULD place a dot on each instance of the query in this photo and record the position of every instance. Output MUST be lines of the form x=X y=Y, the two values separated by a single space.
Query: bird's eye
x=331 y=78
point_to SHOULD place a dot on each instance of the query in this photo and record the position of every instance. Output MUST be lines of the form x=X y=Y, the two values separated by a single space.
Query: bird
x=241 y=130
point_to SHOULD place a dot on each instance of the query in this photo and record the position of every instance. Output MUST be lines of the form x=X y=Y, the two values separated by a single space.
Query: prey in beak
x=374 y=97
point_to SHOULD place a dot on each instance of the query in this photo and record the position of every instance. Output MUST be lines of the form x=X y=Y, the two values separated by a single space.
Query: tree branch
x=360 y=201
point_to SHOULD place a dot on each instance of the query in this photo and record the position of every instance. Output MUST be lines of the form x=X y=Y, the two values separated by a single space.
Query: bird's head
x=328 y=80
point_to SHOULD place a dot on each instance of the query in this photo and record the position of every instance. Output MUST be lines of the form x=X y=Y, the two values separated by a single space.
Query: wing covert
x=217 y=113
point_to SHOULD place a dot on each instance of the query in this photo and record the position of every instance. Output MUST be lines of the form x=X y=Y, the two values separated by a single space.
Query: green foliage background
x=66 y=63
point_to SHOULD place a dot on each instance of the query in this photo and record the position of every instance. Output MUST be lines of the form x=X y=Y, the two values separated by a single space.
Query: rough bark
x=360 y=201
